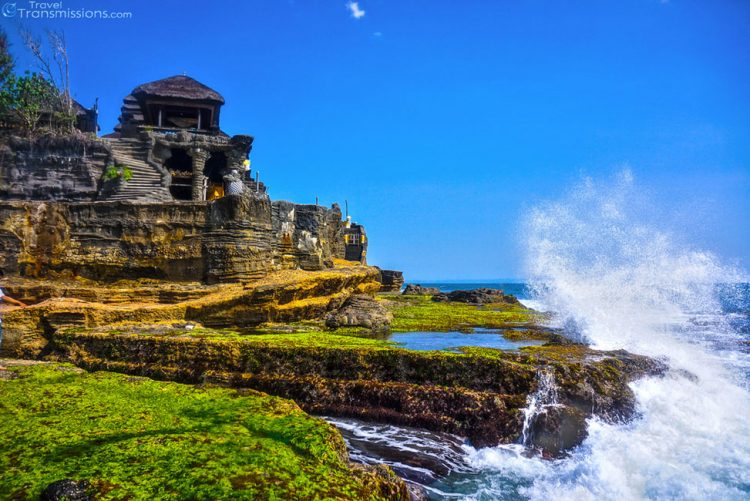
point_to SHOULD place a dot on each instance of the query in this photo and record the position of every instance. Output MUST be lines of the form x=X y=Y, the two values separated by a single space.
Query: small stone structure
x=355 y=239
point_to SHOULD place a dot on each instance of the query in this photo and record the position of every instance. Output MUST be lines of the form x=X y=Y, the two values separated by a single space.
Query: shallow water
x=451 y=341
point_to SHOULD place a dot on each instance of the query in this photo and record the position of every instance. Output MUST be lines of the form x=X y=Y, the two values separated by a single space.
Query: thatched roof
x=178 y=86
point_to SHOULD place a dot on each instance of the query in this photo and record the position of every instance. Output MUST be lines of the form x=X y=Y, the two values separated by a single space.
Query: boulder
x=391 y=280
x=360 y=310
x=418 y=290
x=557 y=430
x=67 y=490
x=477 y=296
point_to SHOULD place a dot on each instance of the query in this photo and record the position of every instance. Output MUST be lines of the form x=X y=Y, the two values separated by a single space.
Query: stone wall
x=52 y=167
x=234 y=238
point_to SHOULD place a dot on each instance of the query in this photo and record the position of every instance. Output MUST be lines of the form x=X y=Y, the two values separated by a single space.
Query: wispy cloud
x=356 y=11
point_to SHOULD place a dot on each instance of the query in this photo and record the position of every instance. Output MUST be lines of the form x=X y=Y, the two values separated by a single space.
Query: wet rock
x=360 y=310
x=417 y=492
x=418 y=290
x=557 y=430
x=477 y=296
x=67 y=490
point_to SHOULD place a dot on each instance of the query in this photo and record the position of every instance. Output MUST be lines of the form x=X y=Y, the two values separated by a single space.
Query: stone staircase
x=146 y=183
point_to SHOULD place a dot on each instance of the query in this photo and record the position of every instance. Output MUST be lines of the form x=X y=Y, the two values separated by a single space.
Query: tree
x=26 y=99
x=55 y=69
x=6 y=60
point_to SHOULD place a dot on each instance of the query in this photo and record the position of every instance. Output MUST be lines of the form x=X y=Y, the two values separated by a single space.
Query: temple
x=167 y=194
x=169 y=136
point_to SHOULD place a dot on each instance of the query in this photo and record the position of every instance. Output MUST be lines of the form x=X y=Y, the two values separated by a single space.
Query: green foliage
x=135 y=438
x=25 y=99
x=115 y=171
x=420 y=313
x=6 y=60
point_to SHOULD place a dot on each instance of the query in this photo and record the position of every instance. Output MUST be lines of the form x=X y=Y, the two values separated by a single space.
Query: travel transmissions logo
x=57 y=10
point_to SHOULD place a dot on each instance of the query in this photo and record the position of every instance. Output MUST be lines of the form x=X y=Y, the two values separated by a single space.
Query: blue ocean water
x=519 y=289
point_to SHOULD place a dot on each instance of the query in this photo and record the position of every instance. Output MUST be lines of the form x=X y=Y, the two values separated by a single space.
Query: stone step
x=135 y=163
x=142 y=169
x=141 y=193
x=145 y=185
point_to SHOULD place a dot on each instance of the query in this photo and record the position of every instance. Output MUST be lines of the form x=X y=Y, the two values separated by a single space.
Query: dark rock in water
x=360 y=310
x=67 y=490
x=477 y=296
x=391 y=280
x=417 y=492
x=557 y=430
x=418 y=290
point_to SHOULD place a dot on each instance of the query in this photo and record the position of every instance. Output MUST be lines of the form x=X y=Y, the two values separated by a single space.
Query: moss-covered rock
x=420 y=313
x=134 y=438
x=479 y=393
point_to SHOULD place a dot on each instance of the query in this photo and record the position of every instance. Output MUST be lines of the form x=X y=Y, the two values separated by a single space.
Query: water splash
x=596 y=260
x=538 y=402
x=614 y=278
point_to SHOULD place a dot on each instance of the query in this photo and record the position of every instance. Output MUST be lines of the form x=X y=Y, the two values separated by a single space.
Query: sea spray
x=615 y=279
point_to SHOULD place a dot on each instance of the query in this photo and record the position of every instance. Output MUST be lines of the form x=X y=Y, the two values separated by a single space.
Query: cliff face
x=52 y=168
x=234 y=238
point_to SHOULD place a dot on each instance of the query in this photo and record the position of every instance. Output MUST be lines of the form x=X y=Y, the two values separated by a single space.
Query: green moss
x=420 y=313
x=134 y=438
x=341 y=338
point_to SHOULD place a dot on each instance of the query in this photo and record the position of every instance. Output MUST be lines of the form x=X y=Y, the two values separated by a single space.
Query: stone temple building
x=169 y=135
x=188 y=209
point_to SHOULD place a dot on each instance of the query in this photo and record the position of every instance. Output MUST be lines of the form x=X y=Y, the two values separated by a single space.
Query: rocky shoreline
x=315 y=338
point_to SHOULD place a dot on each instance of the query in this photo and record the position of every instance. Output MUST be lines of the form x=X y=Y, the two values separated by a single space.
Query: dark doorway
x=214 y=172
x=180 y=166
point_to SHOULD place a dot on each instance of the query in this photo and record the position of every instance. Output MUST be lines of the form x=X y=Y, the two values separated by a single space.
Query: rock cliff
x=234 y=238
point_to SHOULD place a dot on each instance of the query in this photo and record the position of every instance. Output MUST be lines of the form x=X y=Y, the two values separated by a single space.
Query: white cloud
x=355 y=10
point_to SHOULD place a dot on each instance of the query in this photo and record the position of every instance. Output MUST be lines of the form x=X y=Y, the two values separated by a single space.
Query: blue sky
x=444 y=122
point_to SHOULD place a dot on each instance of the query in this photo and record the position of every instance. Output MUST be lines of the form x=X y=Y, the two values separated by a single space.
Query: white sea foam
x=534 y=304
x=617 y=281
